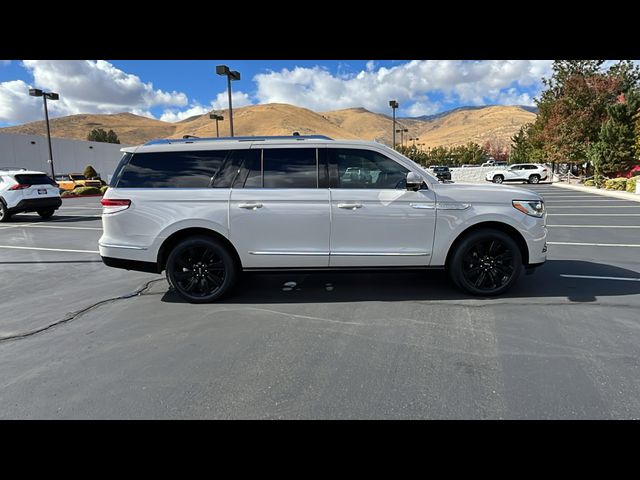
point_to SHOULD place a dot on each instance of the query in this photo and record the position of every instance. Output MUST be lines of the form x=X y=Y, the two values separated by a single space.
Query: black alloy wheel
x=201 y=269
x=486 y=263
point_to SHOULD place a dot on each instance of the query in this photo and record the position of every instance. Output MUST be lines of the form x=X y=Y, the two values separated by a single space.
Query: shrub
x=631 y=184
x=590 y=183
x=616 y=184
x=68 y=193
x=87 y=191
x=103 y=189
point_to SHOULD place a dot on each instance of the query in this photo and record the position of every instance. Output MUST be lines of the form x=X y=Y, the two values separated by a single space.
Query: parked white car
x=203 y=210
x=519 y=172
x=24 y=190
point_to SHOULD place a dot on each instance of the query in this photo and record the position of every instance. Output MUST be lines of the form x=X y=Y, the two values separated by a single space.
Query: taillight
x=110 y=205
x=19 y=186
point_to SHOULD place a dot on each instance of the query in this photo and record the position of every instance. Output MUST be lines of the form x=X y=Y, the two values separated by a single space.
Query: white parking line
x=595 y=226
x=593 y=214
x=632 y=245
x=593 y=206
x=596 y=277
x=13 y=247
x=27 y=225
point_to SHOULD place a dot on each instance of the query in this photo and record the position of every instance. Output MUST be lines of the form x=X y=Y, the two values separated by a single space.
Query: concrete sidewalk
x=601 y=191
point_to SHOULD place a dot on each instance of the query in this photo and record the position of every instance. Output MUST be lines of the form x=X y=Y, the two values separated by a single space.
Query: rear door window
x=290 y=168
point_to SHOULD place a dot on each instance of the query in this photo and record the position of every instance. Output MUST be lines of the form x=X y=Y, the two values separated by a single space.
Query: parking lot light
x=394 y=104
x=36 y=92
x=217 y=118
x=231 y=75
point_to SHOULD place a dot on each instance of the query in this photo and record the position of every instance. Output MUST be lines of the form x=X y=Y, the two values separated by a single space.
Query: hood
x=478 y=193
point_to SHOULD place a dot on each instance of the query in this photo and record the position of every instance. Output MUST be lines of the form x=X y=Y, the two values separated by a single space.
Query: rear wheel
x=4 y=213
x=498 y=179
x=44 y=214
x=534 y=179
x=486 y=263
x=201 y=269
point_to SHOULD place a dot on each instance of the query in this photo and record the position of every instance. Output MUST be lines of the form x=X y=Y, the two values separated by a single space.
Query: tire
x=498 y=179
x=534 y=179
x=201 y=269
x=4 y=213
x=499 y=263
x=45 y=214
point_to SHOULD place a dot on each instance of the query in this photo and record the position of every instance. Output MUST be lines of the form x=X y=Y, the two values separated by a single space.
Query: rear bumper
x=126 y=264
x=35 y=204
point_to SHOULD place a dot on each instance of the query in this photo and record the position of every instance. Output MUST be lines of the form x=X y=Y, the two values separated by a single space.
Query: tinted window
x=352 y=168
x=190 y=169
x=34 y=179
x=290 y=168
x=250 y=173
x=230 y=168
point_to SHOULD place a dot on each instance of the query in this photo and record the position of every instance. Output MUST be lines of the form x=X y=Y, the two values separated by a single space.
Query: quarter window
x=356 y=168
x=190 y=169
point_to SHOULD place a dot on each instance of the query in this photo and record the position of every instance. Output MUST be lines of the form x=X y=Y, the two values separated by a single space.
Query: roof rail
x=7 y=169
x=168 y=141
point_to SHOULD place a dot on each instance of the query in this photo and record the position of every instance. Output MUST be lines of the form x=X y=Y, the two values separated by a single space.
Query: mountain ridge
x=450 y=128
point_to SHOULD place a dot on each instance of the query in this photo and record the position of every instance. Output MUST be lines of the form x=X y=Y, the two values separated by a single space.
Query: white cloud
x=467 y=82
x=238 y=99
x=173 y=115
x=16 y=106
x=85 y=86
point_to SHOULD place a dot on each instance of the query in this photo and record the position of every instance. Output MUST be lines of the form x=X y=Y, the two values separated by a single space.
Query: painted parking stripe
x=593 y=206
x=630 y=245
x=27 y=225
x=597 y=277
x=593 y=214
x=595 y=226
x=13 y=247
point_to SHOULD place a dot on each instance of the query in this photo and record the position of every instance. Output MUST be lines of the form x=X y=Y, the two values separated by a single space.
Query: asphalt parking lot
x=80 y=340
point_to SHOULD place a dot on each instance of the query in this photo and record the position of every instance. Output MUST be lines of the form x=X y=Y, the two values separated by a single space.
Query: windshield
x=78 y=177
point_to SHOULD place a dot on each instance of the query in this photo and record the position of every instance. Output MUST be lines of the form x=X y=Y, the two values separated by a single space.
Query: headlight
x=535 y=208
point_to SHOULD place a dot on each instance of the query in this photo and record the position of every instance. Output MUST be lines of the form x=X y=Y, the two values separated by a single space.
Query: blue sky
x=171 y=90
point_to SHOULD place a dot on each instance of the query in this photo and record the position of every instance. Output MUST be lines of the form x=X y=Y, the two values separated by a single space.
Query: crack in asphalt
x=73 y=315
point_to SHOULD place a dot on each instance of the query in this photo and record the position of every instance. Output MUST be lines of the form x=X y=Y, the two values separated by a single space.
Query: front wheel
x=44 y=214
x=534 y=179
x=486 y=263
x=498 y=179
x=201 y=269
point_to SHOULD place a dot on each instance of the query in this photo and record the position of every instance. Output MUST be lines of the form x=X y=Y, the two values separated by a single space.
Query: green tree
x=112 y=137
x=90 y=172
x=99 y=135
x=615 y=150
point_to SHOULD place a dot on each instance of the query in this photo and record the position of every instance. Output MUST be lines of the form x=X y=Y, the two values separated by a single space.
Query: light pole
x=217 y=118
x=231 y=75
x=402 y=131
x=34 y=92
x=394 y=104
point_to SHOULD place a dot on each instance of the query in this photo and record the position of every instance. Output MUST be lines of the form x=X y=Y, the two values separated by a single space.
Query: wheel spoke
x=190 y=284
x=480 y=280
x=182 y=276
x=217 y=281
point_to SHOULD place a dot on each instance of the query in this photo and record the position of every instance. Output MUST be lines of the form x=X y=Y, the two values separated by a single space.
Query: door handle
x=250 y=206
x=350 y=206
x=429 y=206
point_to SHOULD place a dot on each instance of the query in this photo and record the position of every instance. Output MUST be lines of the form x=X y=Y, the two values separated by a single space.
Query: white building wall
x=69 y=156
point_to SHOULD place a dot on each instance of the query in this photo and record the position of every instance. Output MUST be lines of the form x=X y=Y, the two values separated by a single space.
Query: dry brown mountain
x=453 y=128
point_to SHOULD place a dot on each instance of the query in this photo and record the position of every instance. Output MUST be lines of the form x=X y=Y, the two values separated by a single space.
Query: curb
x=82 y=196
x=599 y=191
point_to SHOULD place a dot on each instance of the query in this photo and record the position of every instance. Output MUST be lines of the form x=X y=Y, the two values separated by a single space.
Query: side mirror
x=414 y=181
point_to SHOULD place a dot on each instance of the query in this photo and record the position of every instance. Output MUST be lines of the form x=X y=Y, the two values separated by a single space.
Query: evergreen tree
x=112 y=137
x=90 y=172
x=99 y=135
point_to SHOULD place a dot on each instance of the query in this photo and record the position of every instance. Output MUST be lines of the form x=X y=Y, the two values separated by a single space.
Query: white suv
x=24 y=190
x=520 y=172
x=206 y=209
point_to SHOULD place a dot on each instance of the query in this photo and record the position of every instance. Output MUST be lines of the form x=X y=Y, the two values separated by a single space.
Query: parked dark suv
x=442 y=173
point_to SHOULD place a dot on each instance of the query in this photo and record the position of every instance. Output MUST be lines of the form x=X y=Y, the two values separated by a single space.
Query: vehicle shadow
x=54 y=219
x=298 y=287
